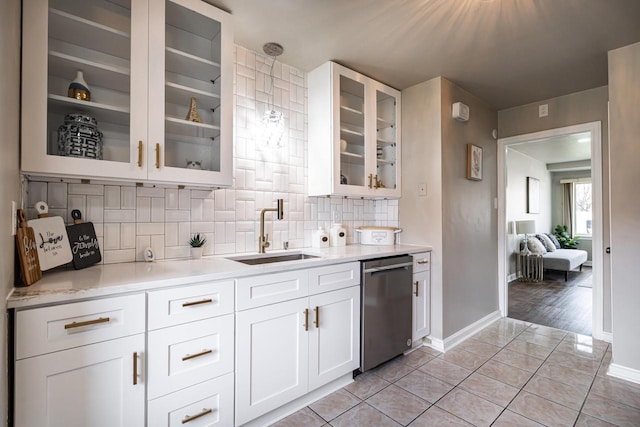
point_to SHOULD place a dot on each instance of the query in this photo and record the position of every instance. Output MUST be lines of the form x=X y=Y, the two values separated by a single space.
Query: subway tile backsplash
x=129 y=219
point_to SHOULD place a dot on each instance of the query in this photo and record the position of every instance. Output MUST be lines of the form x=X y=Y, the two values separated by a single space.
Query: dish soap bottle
x=320 y=238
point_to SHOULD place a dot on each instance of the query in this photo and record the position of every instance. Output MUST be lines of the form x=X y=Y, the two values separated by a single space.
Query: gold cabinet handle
x=204 y=412
x=139 y=154
x=417 y=287
x=377 y=185
x=317 y=322
x=135 y=368
x=424 y=261
x=157 y=155
x=193 y=356
x=370 y=180
x=87 y=323
x=192 y=303
x=306 y=319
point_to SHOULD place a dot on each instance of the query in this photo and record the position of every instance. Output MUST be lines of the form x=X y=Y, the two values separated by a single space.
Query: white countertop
x=110 y=279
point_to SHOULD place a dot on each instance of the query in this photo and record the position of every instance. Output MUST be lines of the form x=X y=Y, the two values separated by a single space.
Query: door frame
x=595 y=129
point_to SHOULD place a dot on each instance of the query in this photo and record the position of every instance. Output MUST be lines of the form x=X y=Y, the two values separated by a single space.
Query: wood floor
x=554 y=302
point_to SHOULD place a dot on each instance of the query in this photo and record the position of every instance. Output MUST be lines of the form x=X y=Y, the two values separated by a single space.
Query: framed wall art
x=533 y=195
x=474 y=162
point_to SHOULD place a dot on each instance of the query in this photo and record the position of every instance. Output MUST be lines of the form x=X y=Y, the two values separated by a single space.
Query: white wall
x=624 y=93
x=9 y=183
x=519 y=167
x=129 y=219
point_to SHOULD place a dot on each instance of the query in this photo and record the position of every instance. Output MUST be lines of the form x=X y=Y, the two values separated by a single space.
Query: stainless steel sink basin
x=271 y=258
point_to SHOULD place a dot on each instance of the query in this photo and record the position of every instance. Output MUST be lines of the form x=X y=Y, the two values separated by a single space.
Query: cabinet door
x=421 y=305
x=385 y=139
x=190 y=93
x=271 y=357
x=334 y=339
x=94 y=385
x=107 y=41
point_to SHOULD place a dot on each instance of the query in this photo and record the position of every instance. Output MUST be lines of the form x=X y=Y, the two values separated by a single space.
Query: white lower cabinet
x=81 y=364
x=421 y=296
x=206 y=404
x=287 y=349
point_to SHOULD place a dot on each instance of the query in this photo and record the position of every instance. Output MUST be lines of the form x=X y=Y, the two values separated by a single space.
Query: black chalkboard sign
x=83 y=241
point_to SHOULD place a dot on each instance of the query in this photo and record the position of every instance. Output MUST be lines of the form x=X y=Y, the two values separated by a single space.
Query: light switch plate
x=543 y=110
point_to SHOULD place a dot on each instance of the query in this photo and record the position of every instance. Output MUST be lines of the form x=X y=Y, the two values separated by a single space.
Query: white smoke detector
x=460 y=112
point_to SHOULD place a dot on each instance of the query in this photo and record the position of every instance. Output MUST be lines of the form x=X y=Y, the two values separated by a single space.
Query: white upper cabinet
x=142 y=61
x=354 y=135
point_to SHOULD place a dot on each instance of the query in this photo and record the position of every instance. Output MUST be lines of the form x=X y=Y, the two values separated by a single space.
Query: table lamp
x=526 y=227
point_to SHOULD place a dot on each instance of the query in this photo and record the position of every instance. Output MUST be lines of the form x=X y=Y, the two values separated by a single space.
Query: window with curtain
x=582 y=209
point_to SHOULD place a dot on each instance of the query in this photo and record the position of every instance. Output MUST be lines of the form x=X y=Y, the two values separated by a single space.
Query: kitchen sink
x=271 y=258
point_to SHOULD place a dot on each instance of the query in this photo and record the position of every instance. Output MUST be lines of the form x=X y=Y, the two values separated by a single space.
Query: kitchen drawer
x=48 y=329
x=421 y=262
x=211 y=402
x=184 y=355
x=189 y=303
x=332 y=277
x=257 y=291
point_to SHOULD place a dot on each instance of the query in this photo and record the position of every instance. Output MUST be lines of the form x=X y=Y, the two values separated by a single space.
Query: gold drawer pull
x=204 y=301
x=317 y=317
x=417 y=287
x=86 y=323
x=193 y=356
x=157 y=156
x=194 y=417
x=306 y=319
x=424 y=261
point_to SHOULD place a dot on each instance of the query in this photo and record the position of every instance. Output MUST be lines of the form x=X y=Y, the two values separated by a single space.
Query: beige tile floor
x=512 y=373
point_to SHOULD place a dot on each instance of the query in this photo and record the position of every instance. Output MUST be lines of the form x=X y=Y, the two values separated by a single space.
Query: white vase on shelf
x=78 y=88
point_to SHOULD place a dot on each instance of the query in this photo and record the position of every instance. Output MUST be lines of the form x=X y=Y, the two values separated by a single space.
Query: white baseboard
x=588 y=263
x=455 y=339
x=604 y=336
x=624 y=373
x=511 y=277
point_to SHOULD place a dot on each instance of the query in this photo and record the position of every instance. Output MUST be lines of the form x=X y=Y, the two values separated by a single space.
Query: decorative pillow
x=546 y=241
x=535 y=246
x=554 y=239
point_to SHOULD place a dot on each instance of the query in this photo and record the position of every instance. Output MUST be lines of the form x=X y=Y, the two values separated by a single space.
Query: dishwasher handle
x=388 y=267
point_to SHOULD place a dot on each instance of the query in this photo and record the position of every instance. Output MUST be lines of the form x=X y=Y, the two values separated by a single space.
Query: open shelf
x=179 y=62
x=101 y=112
x=384 y=142
x=110 y=76
x=346 y=157
x=83 y=32
x=181 y=95
x=351 y=116
x=383 y=124
x=188 y=129
x=382 y=162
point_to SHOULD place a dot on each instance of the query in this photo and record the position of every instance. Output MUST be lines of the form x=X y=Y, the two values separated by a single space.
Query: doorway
x=506 y=232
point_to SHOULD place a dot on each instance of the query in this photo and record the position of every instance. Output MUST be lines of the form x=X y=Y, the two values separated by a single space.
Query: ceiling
x=559 y=149
x=506 y=52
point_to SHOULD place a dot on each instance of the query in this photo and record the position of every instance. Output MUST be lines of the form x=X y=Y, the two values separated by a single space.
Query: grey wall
x=581 y=107
x=624 y=93
x=557 y=193
x=421 y=216
x=9 y=182
x=519 y=167
x=470 y=274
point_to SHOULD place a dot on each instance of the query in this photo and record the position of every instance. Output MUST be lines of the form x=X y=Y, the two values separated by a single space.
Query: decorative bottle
x=79 y=89
x=193 y=115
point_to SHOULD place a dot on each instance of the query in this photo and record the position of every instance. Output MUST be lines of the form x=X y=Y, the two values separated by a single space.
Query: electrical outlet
x=422 y=189
x=543 y=110
x=14 y=218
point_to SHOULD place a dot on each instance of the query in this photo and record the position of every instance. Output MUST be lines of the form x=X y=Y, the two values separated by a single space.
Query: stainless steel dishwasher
x=386 y=309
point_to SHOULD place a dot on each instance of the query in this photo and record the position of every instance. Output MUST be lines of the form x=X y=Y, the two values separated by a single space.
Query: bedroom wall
x=556 y=203
x=519 y=167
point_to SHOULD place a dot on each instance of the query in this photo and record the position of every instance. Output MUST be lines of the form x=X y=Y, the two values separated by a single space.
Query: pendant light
x=273 y=120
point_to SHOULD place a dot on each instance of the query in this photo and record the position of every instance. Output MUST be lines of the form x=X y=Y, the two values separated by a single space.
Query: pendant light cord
x=270 y=93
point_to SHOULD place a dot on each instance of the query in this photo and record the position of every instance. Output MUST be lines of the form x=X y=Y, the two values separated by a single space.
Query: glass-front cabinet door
x=127 y=89
x=84 y=88
x=190 y=108
x=354 y=135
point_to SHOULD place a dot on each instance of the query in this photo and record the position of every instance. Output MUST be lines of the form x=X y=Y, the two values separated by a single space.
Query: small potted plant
x=197 y=242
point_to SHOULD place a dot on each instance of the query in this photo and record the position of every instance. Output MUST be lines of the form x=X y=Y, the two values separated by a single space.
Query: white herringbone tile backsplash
x=128 y=218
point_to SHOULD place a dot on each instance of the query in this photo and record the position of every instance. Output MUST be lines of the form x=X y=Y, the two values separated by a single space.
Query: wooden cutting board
x=83 y=242
x=27 y=252
x=51 y=238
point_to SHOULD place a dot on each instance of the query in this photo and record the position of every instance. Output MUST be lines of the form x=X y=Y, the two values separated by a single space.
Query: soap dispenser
x=320 y=238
